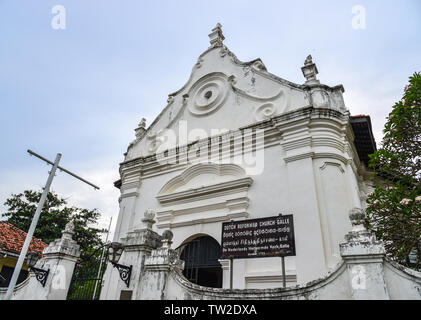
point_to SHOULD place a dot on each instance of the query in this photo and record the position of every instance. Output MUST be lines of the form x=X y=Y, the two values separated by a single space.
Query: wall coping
x=402 y=270
x=272 y=293
x=18 y=287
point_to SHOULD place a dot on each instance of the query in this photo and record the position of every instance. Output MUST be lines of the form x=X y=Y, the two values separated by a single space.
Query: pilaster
x=138 y=245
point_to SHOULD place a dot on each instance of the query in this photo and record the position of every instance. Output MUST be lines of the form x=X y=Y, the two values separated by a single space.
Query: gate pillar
x=157 y=268
x=60 y=257
x=364 y=256
x=138 y=245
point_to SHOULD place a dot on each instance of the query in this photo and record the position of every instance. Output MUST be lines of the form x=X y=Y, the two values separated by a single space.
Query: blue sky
x=82 y=90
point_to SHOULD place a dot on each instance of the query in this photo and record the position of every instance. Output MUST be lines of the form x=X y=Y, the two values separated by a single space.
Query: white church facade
x=237 y=143
x=245 y=187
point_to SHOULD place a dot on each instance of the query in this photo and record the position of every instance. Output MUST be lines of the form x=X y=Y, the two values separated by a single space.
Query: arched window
x=201 y=262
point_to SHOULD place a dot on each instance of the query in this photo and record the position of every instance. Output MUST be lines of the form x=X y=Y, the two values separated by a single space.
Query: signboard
x=258 y=238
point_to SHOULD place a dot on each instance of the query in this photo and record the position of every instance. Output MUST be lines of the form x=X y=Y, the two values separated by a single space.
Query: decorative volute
x=216 y=37
x=310 y=71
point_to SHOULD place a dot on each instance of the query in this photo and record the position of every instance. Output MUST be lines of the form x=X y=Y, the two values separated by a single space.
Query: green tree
x=54 y=217
x=394 y=208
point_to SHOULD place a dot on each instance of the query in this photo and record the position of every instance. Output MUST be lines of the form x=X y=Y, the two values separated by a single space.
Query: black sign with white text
x=258 y=238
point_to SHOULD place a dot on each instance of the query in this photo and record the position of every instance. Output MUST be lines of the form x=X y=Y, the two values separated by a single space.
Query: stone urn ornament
x=148 y=220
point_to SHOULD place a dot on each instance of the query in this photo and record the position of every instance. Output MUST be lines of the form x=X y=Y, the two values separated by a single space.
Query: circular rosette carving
x=265 y=111
x=207 y=95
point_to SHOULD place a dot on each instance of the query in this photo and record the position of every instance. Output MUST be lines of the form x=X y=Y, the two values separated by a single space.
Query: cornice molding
x=211 y=190
x=280 y=122
x=317 y=155
x=220 y=218
x=299 y=157
x=129 y=195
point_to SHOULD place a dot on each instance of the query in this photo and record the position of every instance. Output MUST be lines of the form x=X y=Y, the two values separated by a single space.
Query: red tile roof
x=12 y=239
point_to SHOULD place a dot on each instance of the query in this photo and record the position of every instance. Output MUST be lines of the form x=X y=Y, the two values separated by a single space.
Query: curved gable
x=224 y=93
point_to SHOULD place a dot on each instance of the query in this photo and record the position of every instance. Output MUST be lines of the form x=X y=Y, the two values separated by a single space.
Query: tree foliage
x=54 y=217
x=394 y=209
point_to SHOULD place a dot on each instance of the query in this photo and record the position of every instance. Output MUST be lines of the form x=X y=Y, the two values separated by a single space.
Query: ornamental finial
x=357 y=216
x=167 y=236
x=142 y=123
x=148 y=220
x=216 y=37
x=141 y=129
x=358 y=233
x=310 y=71
x=68 y=230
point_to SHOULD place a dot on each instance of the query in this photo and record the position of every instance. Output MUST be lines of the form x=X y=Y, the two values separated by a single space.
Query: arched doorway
x=201 y=261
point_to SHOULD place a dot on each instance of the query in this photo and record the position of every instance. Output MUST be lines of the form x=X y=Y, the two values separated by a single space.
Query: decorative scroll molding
x=252 y=97
x=265 y=111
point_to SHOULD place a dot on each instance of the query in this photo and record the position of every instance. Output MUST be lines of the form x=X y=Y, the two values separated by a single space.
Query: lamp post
x=31 y=260
x=115 y=250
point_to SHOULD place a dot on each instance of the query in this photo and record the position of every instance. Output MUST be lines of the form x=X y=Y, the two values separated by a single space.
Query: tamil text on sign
x=265 y=237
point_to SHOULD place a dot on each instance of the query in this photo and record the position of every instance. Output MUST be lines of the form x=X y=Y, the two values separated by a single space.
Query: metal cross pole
x=34 y=222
